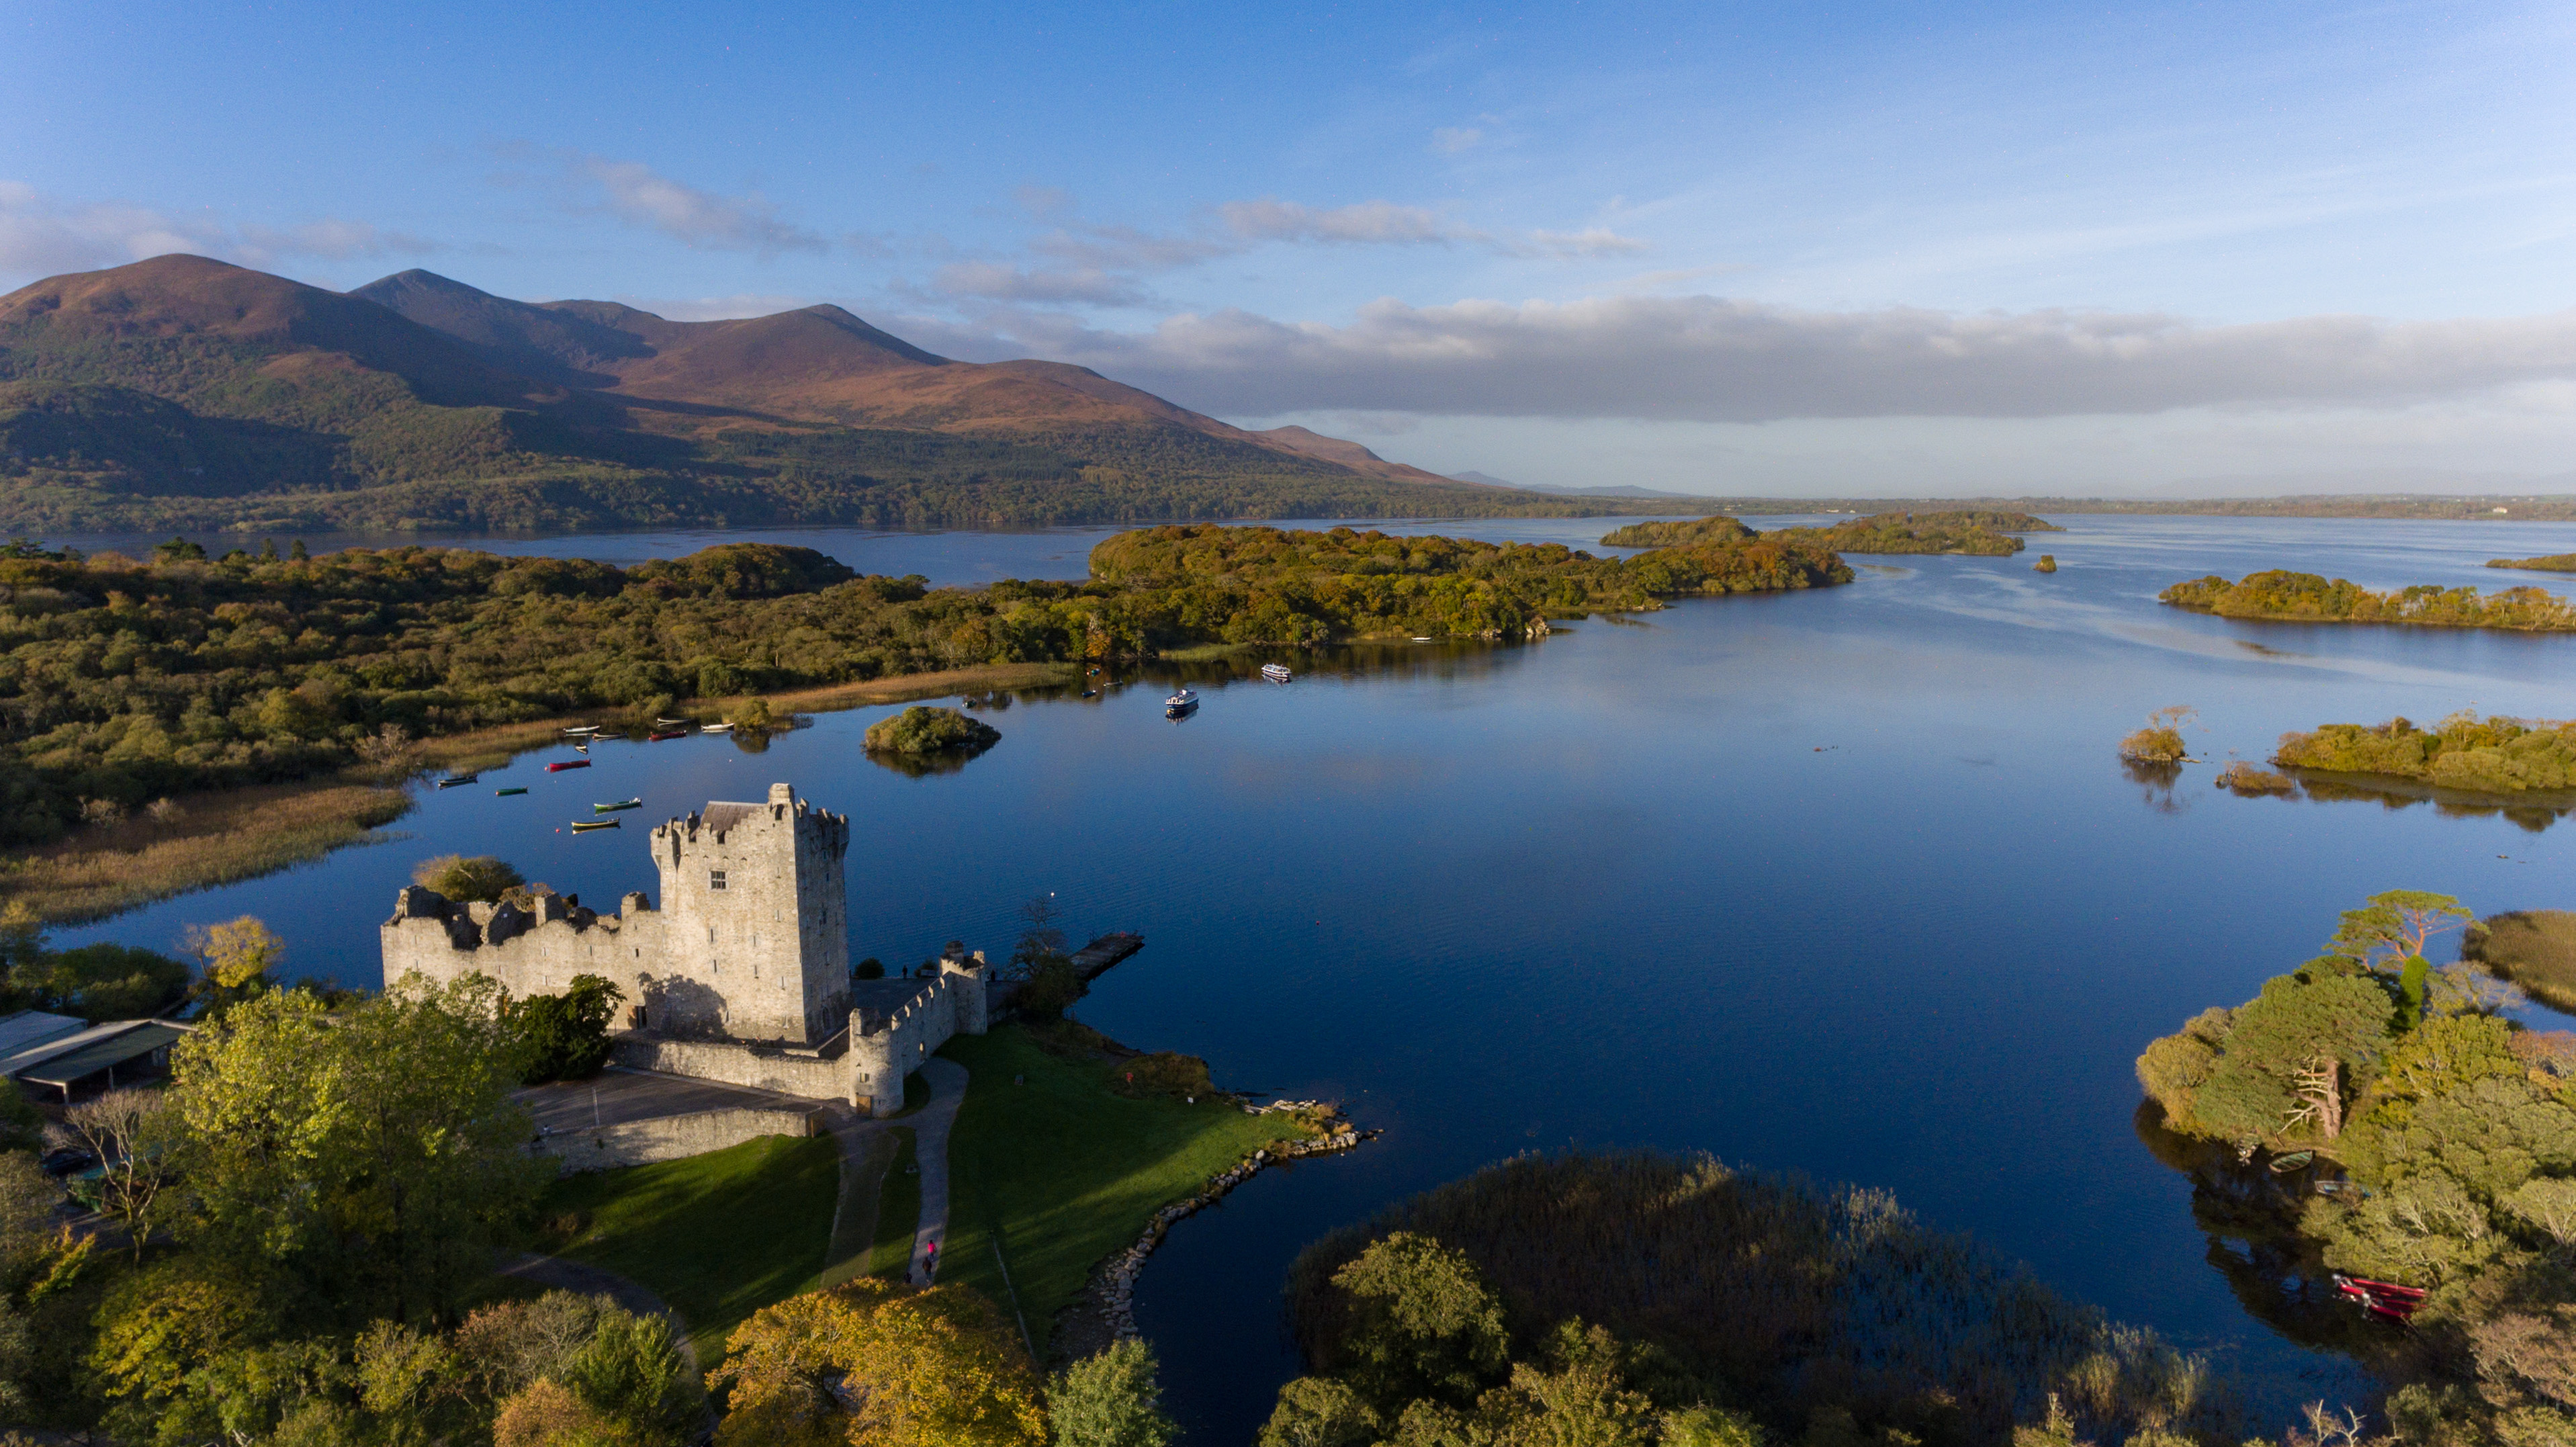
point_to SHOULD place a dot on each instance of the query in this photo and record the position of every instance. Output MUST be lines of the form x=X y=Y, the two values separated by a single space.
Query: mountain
x=1614 y=490
x=182 y=392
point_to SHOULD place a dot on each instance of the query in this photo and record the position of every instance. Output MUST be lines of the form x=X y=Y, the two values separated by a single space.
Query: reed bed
x=211 y=839
x=1785 y=1298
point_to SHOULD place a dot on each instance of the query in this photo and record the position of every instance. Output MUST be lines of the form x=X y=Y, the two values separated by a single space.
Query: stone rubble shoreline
x=1110 y=1298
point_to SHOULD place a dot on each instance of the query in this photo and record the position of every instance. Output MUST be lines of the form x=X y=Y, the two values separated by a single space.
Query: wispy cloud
x=1450 y=140
x=1710 y=359
x=1590 y=241
x=41 y=234
x=1369 y=223
x=997 y=281
x=638 y=195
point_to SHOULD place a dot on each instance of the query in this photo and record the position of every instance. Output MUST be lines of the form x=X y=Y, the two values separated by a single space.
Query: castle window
x=715 y=879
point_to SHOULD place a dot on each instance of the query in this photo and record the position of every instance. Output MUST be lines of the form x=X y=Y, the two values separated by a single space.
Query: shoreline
x=229 y=836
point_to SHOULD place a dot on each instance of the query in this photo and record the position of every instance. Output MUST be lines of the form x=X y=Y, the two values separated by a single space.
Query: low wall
x=731 y=1064
x=672 y=1137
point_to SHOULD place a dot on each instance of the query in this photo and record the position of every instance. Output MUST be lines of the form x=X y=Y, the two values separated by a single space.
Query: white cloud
x=1450 y=140
x=1370 y=223
x=640 y=196
x=41 y=235
x=1709 y=359
x=716 y=308
x=1590 y=241
x=997 y=281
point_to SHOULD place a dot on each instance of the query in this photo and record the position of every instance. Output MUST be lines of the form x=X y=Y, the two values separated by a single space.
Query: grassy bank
x=718 y=1236
x=1056 y=1173
x=898 y=1211
x=215 y=838
x=2534 y=948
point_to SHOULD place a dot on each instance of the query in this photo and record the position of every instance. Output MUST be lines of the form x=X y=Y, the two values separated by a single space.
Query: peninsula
x=2309 y=598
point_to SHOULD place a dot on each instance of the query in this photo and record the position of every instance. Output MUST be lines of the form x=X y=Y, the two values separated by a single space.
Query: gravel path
x=947 y=1081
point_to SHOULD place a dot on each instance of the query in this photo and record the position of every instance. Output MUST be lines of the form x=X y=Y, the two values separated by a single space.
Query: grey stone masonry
x=742 y=974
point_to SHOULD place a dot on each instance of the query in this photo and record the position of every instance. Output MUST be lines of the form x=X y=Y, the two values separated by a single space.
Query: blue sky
x=1875 y=250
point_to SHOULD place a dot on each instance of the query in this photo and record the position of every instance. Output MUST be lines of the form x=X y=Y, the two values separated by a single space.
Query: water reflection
x=2531 y=813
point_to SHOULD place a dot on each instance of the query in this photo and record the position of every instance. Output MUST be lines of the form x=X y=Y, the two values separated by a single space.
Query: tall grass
x=1793 y=1298
x=2534 y=948
x=216 y=838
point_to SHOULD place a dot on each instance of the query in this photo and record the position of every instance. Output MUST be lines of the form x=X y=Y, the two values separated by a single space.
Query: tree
x=632 y=1372
x=235 y=958
x=467 y=879
x=870 y=1361
x=2396 y=926
x=130 y=1132
x=366 y=1163
x=1320 y=1412
x=1110 y=1399
x=565 y=1037
x=2266 y=1076
x=1423 y=1323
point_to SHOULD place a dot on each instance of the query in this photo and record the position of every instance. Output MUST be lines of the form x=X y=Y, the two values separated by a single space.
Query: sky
x=1858 y=250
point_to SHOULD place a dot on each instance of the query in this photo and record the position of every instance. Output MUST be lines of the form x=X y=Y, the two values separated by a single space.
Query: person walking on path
x=930 y=1264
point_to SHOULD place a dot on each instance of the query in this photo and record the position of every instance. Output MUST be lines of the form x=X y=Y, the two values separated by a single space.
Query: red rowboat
x=2381 y=1298
x=673 y=734
x=557 y=768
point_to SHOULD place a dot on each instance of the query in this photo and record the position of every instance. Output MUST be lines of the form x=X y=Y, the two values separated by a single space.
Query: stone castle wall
x=742 y=974
x=670 y=1138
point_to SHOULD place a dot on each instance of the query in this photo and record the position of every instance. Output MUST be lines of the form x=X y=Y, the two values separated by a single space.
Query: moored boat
x=453 y=780
x=559 y=765
x=1276 y=672
x=725 y=728
x=620 y=804
x=584 y=826
x=505 y=793
x=581 y=730
x=1181 y=704
x=656 y=738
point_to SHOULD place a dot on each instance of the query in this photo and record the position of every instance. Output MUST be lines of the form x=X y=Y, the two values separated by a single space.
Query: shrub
x=2245 y=780
x=565 y=1036
x=2160 y=742
x=475 y=879
x=1182 y=1077
x=1110 y=1400
x=925 y=730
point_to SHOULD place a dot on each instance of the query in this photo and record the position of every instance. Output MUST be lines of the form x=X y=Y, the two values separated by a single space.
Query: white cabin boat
x=1276 y=672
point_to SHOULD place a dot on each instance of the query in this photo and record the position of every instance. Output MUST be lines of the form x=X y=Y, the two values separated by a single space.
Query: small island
x=2308 y=598
x=1968 y=532
x=922 y=739
x=2493 y=755
x=2554 y=563
x=2380 y=1128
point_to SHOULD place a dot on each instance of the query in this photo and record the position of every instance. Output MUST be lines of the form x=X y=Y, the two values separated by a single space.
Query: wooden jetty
x=1095 y=959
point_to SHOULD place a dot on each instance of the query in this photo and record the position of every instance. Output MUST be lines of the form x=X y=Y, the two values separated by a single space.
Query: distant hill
x=187 y=393
x=1615 y=490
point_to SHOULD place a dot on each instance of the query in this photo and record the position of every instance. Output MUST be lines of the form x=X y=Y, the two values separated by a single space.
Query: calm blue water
x=1845 y=882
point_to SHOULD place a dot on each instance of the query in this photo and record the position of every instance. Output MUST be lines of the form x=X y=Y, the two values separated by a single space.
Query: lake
x=1845 y=882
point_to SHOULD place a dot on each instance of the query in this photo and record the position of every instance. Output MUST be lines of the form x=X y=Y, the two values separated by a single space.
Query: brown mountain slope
x=815 y=364
x=305 y=331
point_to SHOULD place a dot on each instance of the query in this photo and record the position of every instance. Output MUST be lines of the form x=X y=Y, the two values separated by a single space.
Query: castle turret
x=757 y=940
x=967 y=976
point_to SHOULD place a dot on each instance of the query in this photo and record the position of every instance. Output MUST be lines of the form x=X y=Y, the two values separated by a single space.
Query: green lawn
x=898 y=1212
x=1060 y=1172
x=719 y=1236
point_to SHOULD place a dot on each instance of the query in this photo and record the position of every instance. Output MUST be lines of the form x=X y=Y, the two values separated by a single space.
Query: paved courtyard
x=619 y=1096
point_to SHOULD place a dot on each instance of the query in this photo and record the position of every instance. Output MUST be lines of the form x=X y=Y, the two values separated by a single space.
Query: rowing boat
x=620 y=804
x=666 y=734
x=724 y=728
x=503 y=793
x=559 y=765
x=584 y=826
x=454 y=780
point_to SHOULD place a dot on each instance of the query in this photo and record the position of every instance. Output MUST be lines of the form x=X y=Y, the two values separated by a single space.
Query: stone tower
x=755 y=920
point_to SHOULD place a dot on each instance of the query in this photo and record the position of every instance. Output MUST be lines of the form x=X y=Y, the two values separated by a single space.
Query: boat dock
x=1095 y=959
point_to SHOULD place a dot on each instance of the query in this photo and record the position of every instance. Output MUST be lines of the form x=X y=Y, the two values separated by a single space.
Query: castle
x=741 y=976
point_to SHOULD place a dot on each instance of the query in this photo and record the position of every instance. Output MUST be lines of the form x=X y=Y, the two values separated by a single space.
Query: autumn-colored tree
x=885 y=1365
x=131 y=1133
x=363 y=1164
x=237 y=955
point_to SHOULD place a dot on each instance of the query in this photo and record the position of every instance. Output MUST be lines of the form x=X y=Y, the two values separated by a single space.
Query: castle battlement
x=748 y=948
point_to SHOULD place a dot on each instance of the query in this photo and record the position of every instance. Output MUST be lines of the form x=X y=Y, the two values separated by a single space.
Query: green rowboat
x=620 y=804
x=498 y=793
x=584 y=826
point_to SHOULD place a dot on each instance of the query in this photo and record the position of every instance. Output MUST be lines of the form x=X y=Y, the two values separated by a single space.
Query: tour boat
x=584 y=826
x=454 y=780
x=504 y=793
x=1276 y=672
x=656 y=738
x=1181 y=704
x=620 y=804
x=717 y=729
x=559 y=765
